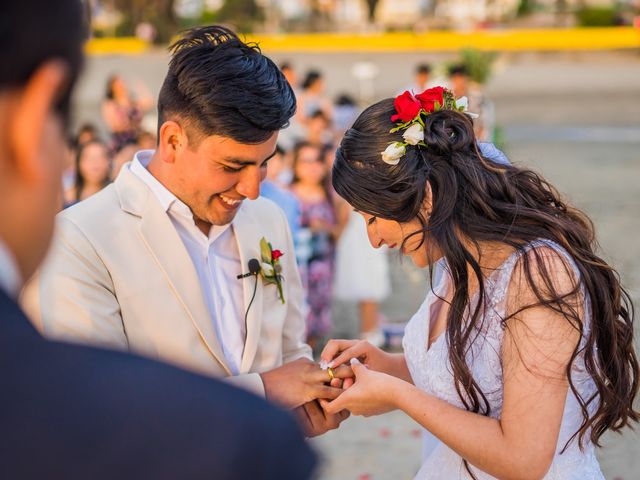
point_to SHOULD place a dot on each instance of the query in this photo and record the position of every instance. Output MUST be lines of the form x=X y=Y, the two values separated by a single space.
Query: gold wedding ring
x=331 y=374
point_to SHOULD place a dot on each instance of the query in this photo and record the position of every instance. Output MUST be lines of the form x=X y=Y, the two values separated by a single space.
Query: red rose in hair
x=276 y=254
x=430 y=96
x=407 y=107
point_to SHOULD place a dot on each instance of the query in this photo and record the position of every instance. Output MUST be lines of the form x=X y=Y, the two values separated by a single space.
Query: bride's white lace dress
x=431 y=372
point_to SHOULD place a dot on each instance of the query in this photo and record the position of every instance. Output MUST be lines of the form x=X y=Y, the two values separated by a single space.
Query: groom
x=155 y=263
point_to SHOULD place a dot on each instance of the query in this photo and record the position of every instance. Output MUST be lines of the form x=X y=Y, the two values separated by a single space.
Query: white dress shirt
x=217 y=262
x=10 y=277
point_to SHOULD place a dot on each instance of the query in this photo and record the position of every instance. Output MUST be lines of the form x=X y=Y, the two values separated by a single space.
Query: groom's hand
x=300 y=382
x=315 y=421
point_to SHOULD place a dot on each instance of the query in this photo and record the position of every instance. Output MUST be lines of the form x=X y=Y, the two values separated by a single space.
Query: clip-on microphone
x=254 y=269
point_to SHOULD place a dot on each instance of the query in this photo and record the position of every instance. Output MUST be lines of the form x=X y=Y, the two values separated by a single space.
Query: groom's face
x=215 y=176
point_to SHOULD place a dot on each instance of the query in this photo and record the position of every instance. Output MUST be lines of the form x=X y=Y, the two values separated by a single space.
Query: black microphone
x=254 y=269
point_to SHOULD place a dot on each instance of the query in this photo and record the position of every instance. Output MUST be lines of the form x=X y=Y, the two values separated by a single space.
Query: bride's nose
x=374 y=239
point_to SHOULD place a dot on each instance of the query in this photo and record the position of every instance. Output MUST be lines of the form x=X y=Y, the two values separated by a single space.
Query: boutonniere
x=270 y=268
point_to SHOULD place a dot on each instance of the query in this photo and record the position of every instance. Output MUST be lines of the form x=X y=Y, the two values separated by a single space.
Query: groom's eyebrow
x=243 y=162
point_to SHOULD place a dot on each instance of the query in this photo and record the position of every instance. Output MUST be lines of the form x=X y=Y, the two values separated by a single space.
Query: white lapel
x=171 y=256
x=248 y=237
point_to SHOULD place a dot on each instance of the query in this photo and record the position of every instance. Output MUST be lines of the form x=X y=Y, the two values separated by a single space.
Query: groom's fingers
x=336 y=382
x=343 y=371
x=334 y=406
x=323 y=376
x=324 y=391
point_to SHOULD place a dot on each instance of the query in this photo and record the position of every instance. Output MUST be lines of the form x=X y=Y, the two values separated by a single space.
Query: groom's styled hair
x=219 y=85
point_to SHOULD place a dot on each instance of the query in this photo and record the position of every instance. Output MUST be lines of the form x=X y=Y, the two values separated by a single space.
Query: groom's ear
x=172 y=140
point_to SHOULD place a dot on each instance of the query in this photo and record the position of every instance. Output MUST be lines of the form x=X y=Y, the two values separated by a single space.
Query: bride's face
x=392 y=234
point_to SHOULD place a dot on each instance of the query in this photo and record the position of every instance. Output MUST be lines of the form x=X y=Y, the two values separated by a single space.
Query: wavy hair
x=477 y=200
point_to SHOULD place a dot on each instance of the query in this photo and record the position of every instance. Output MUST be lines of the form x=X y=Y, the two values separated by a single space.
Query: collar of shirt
x=10 y=277
x=170 y=203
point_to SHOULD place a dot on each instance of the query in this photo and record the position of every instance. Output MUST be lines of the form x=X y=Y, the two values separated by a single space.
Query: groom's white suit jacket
x=118 y=275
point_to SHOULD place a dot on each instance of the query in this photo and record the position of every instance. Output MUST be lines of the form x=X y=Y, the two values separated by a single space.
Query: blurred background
x=557 y=85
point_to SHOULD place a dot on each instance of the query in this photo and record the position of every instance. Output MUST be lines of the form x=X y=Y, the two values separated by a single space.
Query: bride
x=521 y=355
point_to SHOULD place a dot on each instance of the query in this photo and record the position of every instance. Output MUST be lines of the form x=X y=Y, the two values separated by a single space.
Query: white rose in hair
x=463 y=102
x=393 y=153
x=414 y=134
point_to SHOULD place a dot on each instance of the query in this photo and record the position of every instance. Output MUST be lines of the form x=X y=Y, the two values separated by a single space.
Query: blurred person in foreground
x=72 y=412
x=159 y=263
x=522 y=355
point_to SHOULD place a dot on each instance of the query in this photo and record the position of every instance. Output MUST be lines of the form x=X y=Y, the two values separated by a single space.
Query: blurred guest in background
x=345 y=111
x=274 y=189
x=362 y=276
x=290 y=74
x=422 y=78
x=312 y=98
x=295 y=131
x=317 y=237
x=87 y=132
x=462 y=86
x=124 y=155
x=319 y=129
x=123 y=113
x=92 y=172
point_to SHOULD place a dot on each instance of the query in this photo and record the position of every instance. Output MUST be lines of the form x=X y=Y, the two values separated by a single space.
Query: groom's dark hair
x=219 y=85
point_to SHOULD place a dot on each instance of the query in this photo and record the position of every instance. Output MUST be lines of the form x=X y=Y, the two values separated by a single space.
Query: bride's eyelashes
x=371 y=220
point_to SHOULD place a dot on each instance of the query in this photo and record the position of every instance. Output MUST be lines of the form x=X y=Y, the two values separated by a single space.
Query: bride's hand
x=337 y=352
x=373 y=393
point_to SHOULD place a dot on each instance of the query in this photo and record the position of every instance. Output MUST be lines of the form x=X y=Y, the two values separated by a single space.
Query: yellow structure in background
x=497 y=40
x=116 y=46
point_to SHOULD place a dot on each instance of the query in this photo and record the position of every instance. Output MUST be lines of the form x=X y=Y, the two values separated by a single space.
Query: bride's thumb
x=357 y=366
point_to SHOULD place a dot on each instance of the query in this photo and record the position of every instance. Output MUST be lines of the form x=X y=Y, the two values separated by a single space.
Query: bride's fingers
x=347 y=383
x=334 y=347
x=357 y=350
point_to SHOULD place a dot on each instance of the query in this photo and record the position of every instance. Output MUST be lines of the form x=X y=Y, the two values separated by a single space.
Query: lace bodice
x=431 y=372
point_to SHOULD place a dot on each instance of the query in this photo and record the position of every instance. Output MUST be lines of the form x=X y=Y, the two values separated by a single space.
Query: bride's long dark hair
x=478 y=200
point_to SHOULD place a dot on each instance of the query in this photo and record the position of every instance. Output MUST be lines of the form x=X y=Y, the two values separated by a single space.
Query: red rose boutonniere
x=270 y=268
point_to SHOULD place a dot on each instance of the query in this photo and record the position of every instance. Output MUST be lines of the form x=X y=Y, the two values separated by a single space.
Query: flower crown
x=411 y=110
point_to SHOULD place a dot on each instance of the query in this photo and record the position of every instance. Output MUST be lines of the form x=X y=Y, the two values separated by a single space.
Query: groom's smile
x=214 y=175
